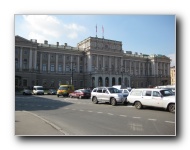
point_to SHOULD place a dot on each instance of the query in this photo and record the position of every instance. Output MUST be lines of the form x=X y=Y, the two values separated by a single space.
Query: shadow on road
x=33 y=103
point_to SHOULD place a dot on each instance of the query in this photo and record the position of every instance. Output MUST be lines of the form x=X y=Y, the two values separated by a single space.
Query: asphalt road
x=82 y=117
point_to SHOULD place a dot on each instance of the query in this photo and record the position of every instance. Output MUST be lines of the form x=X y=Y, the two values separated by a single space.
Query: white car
x=107 y=94
x=125 y=93
x=162 y=98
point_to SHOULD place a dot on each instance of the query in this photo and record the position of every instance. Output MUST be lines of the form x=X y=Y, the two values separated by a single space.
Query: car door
x=146 y=98
x=105 y=95
x=157 y=100
x=99 y=94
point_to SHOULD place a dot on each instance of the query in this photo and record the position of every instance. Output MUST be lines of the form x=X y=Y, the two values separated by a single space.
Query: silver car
x=107 y=94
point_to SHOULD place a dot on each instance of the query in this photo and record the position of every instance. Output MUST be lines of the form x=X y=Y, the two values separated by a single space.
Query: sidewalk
x=29 y=124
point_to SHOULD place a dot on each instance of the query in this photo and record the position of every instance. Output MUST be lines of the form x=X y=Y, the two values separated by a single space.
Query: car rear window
x=136 y=93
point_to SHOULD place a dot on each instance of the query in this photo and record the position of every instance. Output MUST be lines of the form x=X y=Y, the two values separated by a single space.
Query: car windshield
x=39 y=88
x=114 y=90
x=63 y=88
x=166 y=92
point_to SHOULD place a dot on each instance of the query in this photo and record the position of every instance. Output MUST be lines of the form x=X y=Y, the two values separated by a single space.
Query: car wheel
x=94 y=100
x=113 y=101
x=70 y=96
x=138 y=105
x=80 y=97
x=57 y=95
x=171 y=108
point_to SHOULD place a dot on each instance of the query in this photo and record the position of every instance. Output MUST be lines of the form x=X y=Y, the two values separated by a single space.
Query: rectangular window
x=147 y=93
x=136 y=93
x=44 y=67
x=52 y=68
x=60 y=68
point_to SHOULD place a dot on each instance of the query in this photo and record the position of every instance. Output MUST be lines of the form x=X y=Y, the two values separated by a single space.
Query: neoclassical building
x=93 y=62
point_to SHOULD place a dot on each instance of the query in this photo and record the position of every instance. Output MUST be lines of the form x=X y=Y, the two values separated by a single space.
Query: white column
x=110 y=80
x=103 y=59
x=89 y=63
x=115 y=63
x=63 y=63
x=78 y=64
x=56 y=62
x=109 y=62
x=153 y=68
x=35 y=59
x=40 y=62
x=97 y=62
x=20 y=68
x=48 y=62
x=156 y=68
x=135 y=67
x=30 y=59
x=164 y=70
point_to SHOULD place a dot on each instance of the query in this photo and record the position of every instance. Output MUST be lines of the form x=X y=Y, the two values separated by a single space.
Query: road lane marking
x=136 y=117
x=99 y=112
x=90 y=111
x=73 y=109
x=81 y=110
x=123 y=115
x=110 y=114
x=169 y=122
x=152 y=119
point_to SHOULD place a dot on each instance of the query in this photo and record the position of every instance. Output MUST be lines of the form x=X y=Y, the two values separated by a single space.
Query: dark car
x=52 y=92
x=27 y=92
x=83 y=93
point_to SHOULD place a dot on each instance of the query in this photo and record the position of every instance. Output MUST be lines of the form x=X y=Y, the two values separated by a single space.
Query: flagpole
x=96 y=30
x=102 y=32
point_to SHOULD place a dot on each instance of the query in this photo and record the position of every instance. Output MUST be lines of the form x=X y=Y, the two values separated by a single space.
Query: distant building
x=94 y=62
x=173 y=75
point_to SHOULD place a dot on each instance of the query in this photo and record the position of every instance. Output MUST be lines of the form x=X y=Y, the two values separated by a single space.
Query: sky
x=147 y=34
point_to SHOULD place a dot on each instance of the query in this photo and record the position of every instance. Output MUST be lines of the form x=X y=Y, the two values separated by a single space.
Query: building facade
x=93 y=62
x=173 y=75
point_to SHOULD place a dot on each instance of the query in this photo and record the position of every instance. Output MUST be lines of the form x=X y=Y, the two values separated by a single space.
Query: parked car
x=153 y=97
x=51 y=92
x=125 y=93
x=107 y=94
x=64 y=90
x=82 y=93
x=27 y=92
x=38 y=90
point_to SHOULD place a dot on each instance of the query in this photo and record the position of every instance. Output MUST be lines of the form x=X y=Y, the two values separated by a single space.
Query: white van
x=38 y=90
x=162 y=98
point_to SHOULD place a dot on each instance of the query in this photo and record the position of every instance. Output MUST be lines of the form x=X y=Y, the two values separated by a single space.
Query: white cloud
x=173 y=59
x=45 y=27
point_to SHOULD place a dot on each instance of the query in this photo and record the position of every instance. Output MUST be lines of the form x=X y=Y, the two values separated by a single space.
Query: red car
x=81 y=94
